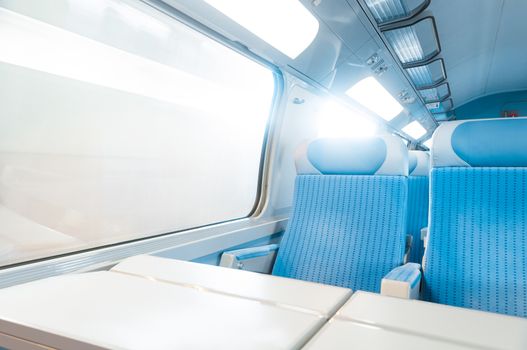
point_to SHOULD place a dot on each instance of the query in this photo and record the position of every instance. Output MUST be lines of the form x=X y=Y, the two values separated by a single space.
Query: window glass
x=119 y=122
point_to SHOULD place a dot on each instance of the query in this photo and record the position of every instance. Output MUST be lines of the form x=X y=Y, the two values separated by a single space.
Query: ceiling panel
x=483 y=45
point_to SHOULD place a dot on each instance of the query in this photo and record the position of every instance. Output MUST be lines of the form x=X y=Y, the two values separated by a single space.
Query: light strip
x=285 y=24
x=414 y=129
x=372 y=95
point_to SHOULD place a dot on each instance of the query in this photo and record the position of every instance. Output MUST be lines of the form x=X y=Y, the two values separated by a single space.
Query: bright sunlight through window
x=336 y=120
x=414 y=129
x=285 y=24
x=372 y=95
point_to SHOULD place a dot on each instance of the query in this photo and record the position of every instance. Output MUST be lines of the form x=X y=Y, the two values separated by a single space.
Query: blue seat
x=417 y=219
x=477 y=249
x=348 y=223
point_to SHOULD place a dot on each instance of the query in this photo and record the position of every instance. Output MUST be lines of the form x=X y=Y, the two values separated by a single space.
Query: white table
x=116 y=311
x=372 y=321
x=305 y=296
x=176 y=305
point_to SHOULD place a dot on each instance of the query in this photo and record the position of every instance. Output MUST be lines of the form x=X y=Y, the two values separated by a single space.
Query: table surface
x=372 y=321
x=118 y=311
x=285 y=292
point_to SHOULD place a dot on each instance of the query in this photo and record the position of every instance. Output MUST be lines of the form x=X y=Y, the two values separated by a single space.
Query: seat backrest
x=348 y=222
x=417 y=212
x=476 y=255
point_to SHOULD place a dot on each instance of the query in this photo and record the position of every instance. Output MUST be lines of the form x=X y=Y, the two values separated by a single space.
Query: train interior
x=279 y=174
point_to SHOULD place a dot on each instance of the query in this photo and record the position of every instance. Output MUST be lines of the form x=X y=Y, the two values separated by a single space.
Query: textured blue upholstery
x=477 y=251
x=345 y=230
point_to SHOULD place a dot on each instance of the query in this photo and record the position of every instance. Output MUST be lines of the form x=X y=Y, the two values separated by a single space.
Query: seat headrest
x=418 y=163
x=378 y=155
x=481 y=143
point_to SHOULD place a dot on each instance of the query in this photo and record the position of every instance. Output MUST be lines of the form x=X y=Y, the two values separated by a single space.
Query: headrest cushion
x=481 y=143
x=379 y=155
x=419 y=163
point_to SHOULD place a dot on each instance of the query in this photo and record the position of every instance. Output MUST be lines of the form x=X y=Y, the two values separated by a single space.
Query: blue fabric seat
x=477 y=249
x=348 y=224
x=417 y=215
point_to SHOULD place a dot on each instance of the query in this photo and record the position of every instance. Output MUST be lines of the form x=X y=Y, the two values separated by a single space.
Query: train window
x=118 y=122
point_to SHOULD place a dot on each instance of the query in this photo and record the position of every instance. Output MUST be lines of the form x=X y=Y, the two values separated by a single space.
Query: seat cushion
x=477 y=249
x=347 y=230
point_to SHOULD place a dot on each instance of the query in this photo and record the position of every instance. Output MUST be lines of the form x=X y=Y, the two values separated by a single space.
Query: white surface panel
x=346 y=335
x=289 y=293
x=457 y=325
x=118 y=311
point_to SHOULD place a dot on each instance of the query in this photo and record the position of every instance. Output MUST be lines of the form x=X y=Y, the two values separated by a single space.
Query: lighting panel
x=414 y=129
x=285 y=24
x=371 y=94
x=427 y=75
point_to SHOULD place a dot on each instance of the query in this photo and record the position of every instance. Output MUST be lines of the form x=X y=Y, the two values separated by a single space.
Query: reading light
x=337 y=120
x=285 y=24
x=414 y=129
x=372 y=95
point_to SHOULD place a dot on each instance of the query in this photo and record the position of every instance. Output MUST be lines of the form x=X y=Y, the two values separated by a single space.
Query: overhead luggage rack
x=414 y=44
x=428 y=75
x=391 y=11
x=437 y=94
x=440 y=107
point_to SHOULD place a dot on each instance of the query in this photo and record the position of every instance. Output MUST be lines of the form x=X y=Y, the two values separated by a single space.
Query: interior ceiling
x=483 y=44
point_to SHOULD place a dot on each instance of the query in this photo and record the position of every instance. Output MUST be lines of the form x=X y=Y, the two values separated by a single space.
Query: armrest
x=402 y=282
x=256 y=259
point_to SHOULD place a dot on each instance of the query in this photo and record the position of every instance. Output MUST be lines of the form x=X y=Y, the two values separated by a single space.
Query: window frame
x=264 y=164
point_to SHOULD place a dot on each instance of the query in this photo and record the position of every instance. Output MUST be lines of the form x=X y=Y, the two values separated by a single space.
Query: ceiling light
x=372 y=95
x=414 y=129
x=285 y=24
